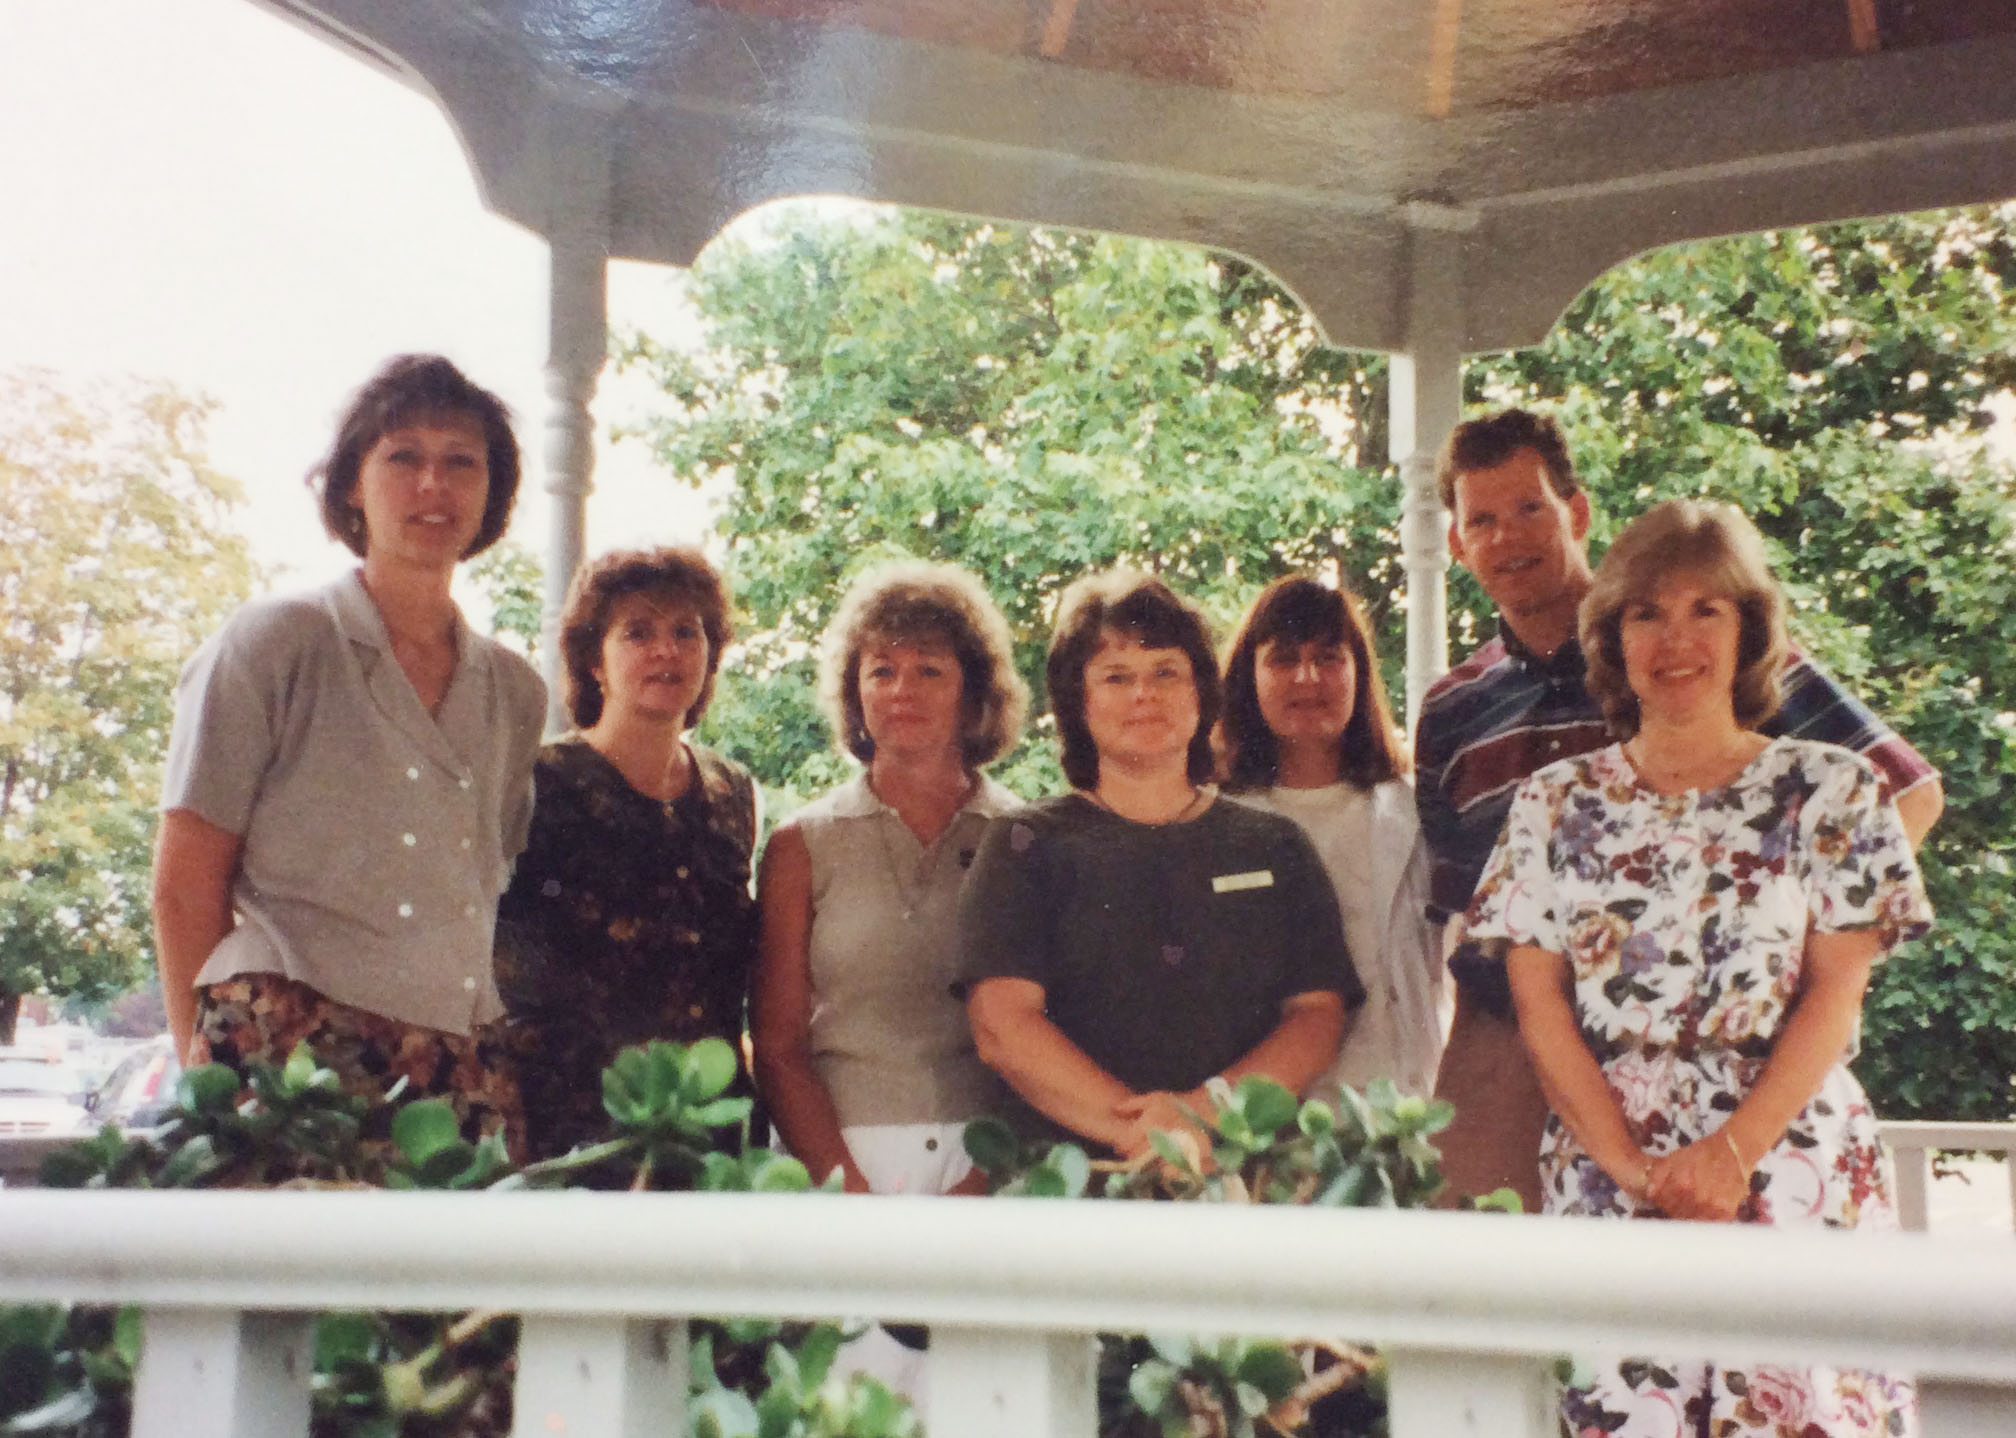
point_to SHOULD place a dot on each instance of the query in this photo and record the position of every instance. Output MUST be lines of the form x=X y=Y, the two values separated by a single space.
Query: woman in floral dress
x=1688 y=919
x=629 y=917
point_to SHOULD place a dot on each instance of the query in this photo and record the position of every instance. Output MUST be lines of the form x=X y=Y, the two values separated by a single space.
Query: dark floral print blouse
x=627 y=919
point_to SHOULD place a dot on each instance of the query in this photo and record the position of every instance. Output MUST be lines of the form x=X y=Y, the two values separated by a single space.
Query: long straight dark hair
x=1299 y=610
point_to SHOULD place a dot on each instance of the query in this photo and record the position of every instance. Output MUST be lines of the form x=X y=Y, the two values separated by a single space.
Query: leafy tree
x=511 y=580
x=1837 y=383
x=1031 y=404
x=1035 y=404
x=115 y=562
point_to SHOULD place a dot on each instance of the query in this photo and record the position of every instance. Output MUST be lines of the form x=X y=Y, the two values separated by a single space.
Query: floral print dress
x=628 y=919
x=1683 y=919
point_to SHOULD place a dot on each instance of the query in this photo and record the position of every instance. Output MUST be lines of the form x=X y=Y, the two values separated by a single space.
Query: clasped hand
x=1703 y=1181
x=1142 y=1113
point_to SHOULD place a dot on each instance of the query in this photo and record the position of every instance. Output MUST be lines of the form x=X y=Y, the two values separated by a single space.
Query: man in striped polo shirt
x=1519 y=521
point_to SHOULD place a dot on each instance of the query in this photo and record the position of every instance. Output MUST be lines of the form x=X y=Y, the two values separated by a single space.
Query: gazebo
x=1430 y=178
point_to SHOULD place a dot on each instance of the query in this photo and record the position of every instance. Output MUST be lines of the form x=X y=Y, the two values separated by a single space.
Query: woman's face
x=422 y=490
x=654 y=659
x=1140 y=703
x=1306 y=689
x=1680 y=643
x=912 y=696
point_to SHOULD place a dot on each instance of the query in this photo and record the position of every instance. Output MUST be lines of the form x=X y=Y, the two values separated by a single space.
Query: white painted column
x=1011 y=1383
x=593 y=1377
x=1424 y=401
x=222 y=1373
x=578 y=323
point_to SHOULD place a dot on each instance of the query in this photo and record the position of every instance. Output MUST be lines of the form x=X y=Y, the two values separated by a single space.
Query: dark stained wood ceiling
x=1420 y=57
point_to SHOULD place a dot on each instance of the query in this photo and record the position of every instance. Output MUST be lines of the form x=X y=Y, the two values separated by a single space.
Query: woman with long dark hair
x=1307 y=733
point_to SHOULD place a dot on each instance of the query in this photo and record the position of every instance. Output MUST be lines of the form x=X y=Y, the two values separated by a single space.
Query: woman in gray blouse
x=862 y=1051
x=350 y=776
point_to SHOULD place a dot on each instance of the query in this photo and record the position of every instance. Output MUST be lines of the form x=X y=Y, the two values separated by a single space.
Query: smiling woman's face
x=1306 y=689
x=1680 y=644
x=654 y=659
x=422 y=490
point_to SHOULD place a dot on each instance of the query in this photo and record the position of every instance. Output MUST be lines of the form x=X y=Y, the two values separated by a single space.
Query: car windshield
x=27 y=1076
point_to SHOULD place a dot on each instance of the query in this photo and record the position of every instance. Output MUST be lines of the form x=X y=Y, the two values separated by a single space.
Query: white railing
x=1913 y=1145
x=1470 y=1308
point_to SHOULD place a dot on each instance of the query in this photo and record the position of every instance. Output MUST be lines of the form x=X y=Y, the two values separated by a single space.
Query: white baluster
x=1914 y=1186
x=1965 y=1410
x=221 y=1373
x=1010 y=1383
x=1437 y=1394
x=600 y=1378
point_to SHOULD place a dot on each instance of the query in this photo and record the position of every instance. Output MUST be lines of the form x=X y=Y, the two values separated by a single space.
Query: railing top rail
x=1941 y=1133
x=1475 y=1283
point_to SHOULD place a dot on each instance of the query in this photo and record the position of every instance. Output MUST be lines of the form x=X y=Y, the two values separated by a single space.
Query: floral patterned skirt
x=1828 y=1171
x=263 y=1016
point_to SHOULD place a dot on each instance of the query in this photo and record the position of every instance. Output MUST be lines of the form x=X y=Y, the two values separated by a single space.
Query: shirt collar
x=358 y=620
x=856 y=800
x=1565 y=662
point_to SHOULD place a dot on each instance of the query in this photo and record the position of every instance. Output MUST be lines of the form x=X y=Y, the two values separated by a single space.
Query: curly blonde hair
x=911 y=601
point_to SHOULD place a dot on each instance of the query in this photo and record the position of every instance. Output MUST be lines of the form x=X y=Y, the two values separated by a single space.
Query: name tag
x=1233 y=883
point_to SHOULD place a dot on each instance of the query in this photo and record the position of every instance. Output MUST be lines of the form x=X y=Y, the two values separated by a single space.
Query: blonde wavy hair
x=911 y=601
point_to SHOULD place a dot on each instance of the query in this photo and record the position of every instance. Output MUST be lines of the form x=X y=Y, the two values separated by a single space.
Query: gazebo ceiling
x=1526 y=145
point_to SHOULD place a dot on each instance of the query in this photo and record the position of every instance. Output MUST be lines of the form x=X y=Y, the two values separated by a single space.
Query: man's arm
x=1920 y=809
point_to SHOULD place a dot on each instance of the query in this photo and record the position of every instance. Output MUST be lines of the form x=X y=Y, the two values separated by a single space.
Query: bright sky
x=203 y=193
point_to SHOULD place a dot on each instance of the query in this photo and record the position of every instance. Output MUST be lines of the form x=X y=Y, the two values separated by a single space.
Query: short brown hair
x=1492 y=439
x=1152 y=614
x=414 y=389
x=1297 y=609
x=1721 y=547
x=678 y=574
x=914 y=602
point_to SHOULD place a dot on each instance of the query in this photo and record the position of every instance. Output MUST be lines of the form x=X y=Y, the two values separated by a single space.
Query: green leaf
x=1272 y=1369
x=299 y=1073
x=424 y=1128
x=208 y=1088
x=722 y=1413
x=1266 y=1105
x=128 y=1330
x=1151 y=1385
x=992 y=1146
x=708 y=1068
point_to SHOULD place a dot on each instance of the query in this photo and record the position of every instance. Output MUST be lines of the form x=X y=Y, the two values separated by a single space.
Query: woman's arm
x=1016 y=1039
x=1568 y=1072
x=781 y=1014
x=194 y=862
x=1710 y=1178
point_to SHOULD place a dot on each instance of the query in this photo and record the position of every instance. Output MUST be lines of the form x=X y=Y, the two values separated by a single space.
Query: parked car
x=40 y=1095
x=141 y=1087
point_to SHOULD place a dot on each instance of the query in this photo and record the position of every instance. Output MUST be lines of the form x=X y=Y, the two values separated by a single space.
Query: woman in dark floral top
x=629 y=917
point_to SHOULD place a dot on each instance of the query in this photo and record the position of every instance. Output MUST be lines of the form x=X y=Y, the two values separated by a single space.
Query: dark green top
x=1164 y=951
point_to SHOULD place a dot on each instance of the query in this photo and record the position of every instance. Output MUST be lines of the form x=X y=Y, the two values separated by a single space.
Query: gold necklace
x=1198 y=795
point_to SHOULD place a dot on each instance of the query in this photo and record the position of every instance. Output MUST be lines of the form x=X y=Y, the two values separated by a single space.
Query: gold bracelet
x=1734 y=1151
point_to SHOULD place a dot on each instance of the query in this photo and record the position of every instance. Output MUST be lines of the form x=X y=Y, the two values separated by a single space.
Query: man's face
x=1521 y=539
